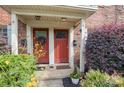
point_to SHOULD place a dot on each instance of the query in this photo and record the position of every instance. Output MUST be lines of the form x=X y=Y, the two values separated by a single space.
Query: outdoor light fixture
x=80 y=30
x=37 y=17
x=74 y=43
x=64 y=19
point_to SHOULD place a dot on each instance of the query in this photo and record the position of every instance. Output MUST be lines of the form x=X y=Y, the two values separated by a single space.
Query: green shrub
x=75 y=74
x=16 y=70
x=118 y=80
x=100 y=79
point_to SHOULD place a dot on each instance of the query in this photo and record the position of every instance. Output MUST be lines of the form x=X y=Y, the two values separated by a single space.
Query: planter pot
x=75 y=81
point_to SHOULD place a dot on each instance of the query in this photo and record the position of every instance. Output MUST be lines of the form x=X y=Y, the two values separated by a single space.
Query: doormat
x=63 y=67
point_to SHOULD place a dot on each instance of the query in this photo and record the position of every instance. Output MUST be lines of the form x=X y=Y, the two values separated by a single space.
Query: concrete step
x=52 y=74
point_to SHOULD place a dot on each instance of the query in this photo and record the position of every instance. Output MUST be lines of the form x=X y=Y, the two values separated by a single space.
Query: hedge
x=17 y=70
x=105 y=49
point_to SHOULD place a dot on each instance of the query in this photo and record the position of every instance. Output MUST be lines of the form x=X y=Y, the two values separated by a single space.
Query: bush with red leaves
x=105 y=49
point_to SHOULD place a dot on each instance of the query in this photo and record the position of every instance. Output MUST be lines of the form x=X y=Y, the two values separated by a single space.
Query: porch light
x=64 y=19
x=37 y=17
x=80 y=30
x=74 y=43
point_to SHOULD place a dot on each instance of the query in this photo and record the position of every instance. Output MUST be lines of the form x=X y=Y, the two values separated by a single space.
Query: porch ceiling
x=48 y=21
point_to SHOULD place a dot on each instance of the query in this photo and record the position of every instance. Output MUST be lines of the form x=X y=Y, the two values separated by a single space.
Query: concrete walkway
x=52 y=78
x=51 y=83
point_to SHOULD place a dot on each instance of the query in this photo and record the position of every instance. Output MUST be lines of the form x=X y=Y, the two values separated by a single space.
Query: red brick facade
x=4 y=21
x=4 y=17
x=106 y=15
x=22 y=37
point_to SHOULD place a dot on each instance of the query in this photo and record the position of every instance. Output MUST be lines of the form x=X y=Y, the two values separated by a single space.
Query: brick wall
x=4 y=17
x=120 y=15
x=4 y=21
x=22 y=37
x=106 y=15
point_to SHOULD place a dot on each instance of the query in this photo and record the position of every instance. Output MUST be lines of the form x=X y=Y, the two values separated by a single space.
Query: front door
x=41 y=45
x=61 y=46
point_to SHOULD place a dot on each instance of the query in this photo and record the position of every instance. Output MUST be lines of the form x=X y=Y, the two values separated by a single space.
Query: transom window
x=60 y=34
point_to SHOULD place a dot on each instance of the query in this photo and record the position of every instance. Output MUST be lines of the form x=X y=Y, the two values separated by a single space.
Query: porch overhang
x=73 y=13
x=51 y=10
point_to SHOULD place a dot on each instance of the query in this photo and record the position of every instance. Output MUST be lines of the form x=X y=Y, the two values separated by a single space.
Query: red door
x=61 y=46
x=41 y=45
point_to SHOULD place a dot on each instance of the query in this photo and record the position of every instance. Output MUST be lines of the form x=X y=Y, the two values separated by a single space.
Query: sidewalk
x=57 y=82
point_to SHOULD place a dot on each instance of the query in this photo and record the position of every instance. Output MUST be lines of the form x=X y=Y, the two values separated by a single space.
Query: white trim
x=82 y=45
x=71 y=48
x=29 y=40
x=9 y=34
x=14 y=33
x=51 y=45
x=80 y=7
x=32 y=42
x=48 y=14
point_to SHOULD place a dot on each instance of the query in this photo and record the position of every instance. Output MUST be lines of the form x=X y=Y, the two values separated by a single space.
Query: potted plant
x=75 y=76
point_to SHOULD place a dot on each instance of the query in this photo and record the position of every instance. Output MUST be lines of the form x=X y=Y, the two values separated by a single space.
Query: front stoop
x=52 y=78
x=52 y=74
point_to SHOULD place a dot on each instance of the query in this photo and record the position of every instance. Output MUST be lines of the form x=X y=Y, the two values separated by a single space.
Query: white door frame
x=29 y=40
x=51 y=44
x=71 y=47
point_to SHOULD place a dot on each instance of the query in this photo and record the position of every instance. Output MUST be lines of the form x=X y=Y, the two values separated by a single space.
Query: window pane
x=1 y=32
x=60 y=34
x=4 y=32
x=41 y=36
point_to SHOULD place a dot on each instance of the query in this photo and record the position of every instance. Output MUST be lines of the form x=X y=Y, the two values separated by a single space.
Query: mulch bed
x=68 y=83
